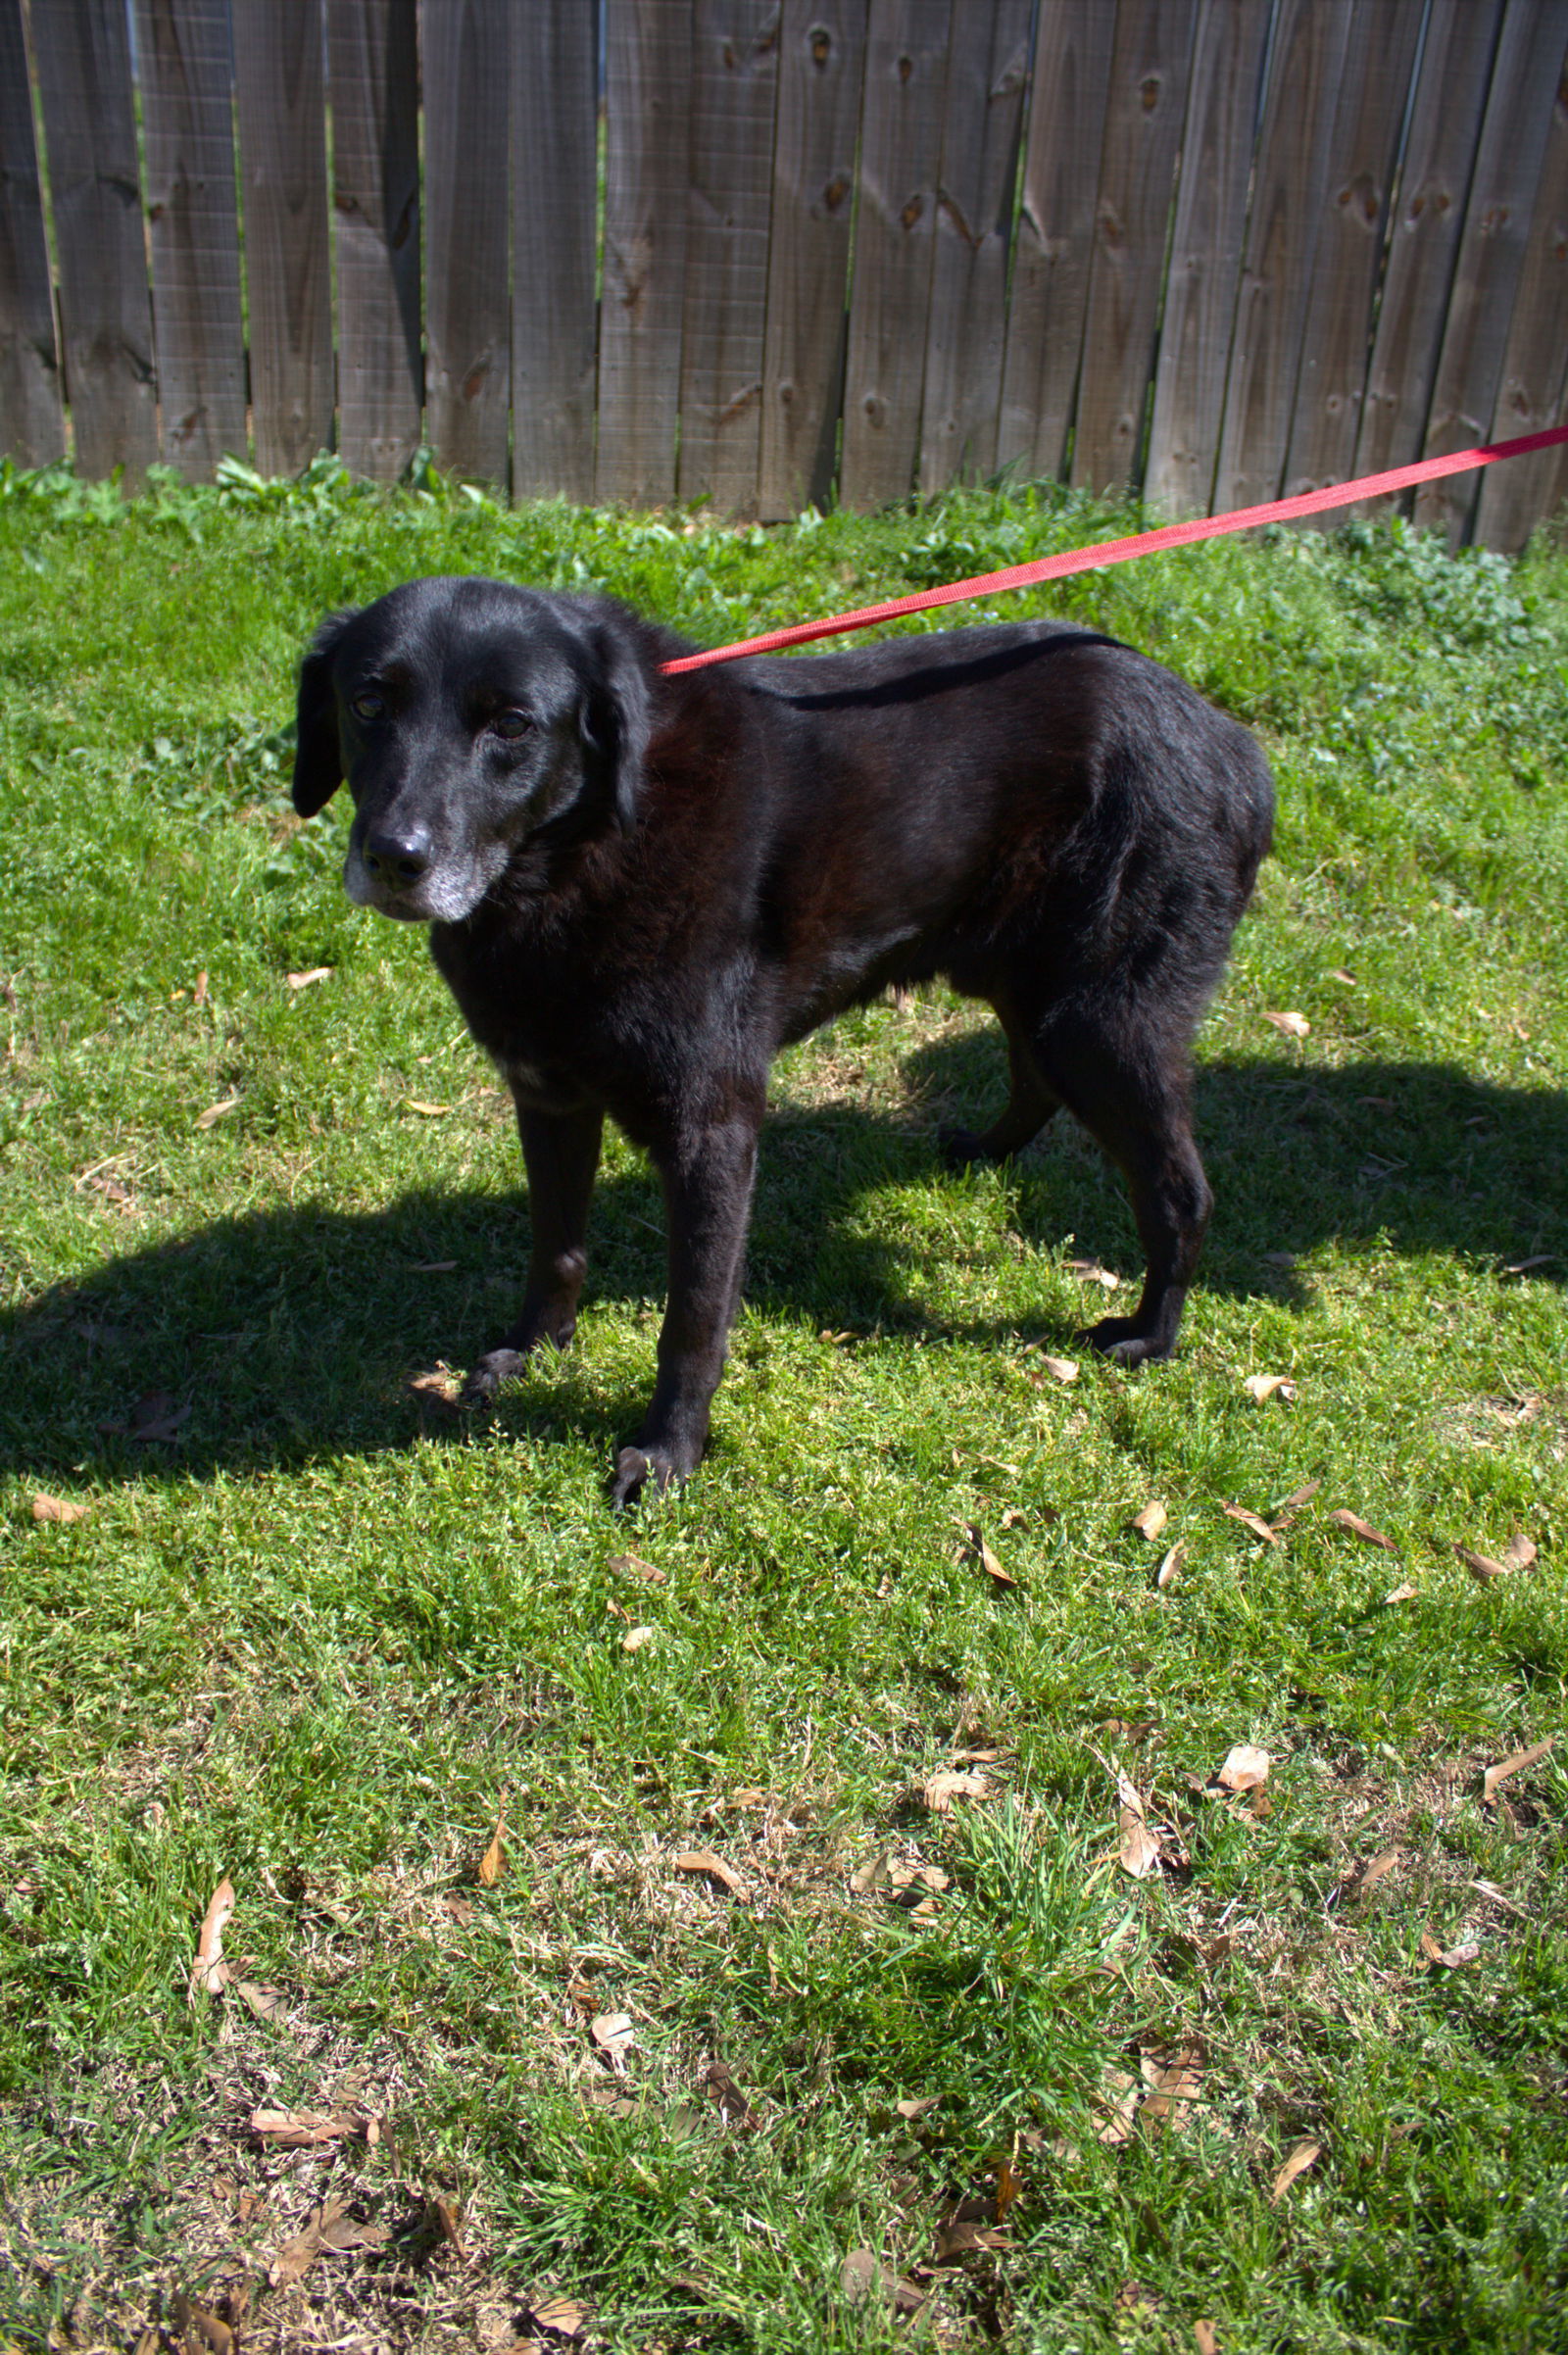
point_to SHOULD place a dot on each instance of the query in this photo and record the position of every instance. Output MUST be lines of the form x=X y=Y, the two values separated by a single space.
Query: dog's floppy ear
x=615 y=720
x=317 y=760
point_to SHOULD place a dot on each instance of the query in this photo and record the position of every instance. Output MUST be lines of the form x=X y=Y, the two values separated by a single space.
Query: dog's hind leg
x=561 y=1152
x=1030 y=1105
x=1131 y=1090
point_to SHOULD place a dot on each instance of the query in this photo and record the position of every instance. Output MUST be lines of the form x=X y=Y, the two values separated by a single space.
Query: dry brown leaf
x=636 y=1637
x=493 y=1863
x=198 y=996
x=874 y=1872
x=216 y=1112
x=1117 y=2102
x=1304 y=2155
x=1500 y=1897
x=632 y=1565
x=1060 y=1369
x=305 y=981
x=614 y=2032
x=1174 y=2085
x=198 y=2327
x=1344 y=1519
x=1151 y=1520
x=1453 y=1958
x=1264 y=1385
x=1293 y=1024
x=61 y=1509
x=304 y=2130
x=1289 y=1507
x=1090 y=1271
x=939 y=1791
x=565 y=2315
x=1372 y=1872
x=426 y=1110
x=1253 y=1521
x=1137 y=1851
x=209 y=1971
x=1481 y=1566
x=1524 y=1267
x=913 y=2109
x=1166 y=1575
x=1512 y=1765
x=1206 y=2338
x=704 y=1862
x=267 y=2004
x=157 y=1417
x=863 y=2276
x=986 y=1560
x=1517 y=1555
x=1245 y=1768
x=1402 y=1593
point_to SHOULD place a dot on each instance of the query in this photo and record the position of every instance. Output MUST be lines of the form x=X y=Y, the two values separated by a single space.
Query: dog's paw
x=637 y=1469
x=484 y=1382
x=1124 y=1342
x=966 y=1148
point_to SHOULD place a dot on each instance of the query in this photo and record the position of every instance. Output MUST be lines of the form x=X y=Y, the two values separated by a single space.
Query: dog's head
x=473 y=722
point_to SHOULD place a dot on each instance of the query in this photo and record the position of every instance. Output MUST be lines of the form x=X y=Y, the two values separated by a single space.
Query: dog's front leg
x=561 y=1154
x=708 y=1180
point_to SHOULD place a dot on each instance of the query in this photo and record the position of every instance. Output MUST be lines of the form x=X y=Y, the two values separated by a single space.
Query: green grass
x=319 y=1636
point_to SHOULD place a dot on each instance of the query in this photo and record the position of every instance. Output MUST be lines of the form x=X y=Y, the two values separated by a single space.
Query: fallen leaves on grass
x=1267 y=1385
x=1060 y=1369
x=986 y=1560
x=1245 y=1769
x=1343 y=1518
x=156 y=1418
x=1373 y=1871
x=632 y=1565
x=939 y=1791
x=1090 y=1271
x=209 y=1972
x=728 y=2099
x=200 y=2328
x=1288 y=1020
x=863 y=2276
x=1174 y=2081
x=1166 y=1575
x=636 y=1637
x=1253 y=1521
x=1451 y=1958
x=493 y=1863
x=309 y=2130
x=1151 y=1520
x=1401 y=1594
x=216 y=1112
x=1116 y=2105
x=1304 y=2155
x=59 y=1509
x=306 y=981
x=331 y=2233
x=1514 y=1764
x=614 y=2032
x=564 y=2316
x=1518 y=1555
x=266 y=2002
x=426 y=1110
x=704 y=1864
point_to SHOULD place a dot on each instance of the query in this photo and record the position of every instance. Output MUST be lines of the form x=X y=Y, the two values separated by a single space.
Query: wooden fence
x=1212 y=249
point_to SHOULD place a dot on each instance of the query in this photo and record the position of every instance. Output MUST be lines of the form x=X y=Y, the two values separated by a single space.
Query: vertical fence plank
x=373 y=81
x=186 y=74
x=466 y=71
x=32 y=429
x=734 y=93
x=648 y=161
x=821 y=62
x=1147 y=103
x=1054 y=235
x=1445 y=115
x=1513 y=143
x=82 y=49
x=1206 y=241
x=987 y=71
x=555 y=309
x=288 y=270
x=1514 y=498
x=1349 y=246
x=1303 y=82
x=890 y=294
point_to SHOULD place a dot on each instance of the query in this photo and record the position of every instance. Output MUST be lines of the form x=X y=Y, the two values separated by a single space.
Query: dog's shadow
x=288 y=1334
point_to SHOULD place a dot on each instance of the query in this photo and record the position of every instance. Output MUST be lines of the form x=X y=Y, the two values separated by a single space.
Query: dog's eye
x=368 y=706
x=511 y=725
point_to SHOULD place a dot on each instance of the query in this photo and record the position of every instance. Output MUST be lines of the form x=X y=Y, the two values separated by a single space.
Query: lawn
x=808 y=1912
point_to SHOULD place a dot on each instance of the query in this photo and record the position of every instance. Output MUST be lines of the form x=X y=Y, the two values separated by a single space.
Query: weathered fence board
x=1535 y=366
x=554 y=311
x=1206 y=241
x=1347 y=257
x=821 y=52
x=464 y=55
x=890 y=291
x=734 y=92
x=1513 y=144
x=1146 y=104
x=373 y=81
x=187 y=71
x=988 y=71
x=769 y=252
x=1287 y=195
x=82 y=50
x=32 y=426
x=1445 y=116
x=1054 y=236
x=648 y=116
x=288 y=266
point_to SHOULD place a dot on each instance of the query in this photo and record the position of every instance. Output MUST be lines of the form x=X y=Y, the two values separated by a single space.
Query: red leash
x=1122 y=552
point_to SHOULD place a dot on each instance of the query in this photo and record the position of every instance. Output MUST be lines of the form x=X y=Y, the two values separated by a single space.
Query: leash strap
x=1122 y=552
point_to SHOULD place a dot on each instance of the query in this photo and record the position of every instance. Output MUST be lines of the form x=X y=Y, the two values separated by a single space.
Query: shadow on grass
x=287 y=1335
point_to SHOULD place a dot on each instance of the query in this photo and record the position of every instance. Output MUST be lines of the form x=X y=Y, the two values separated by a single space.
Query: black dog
x=640 y=887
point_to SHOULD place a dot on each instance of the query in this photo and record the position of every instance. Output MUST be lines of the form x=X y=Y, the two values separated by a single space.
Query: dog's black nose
x=398 y=858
